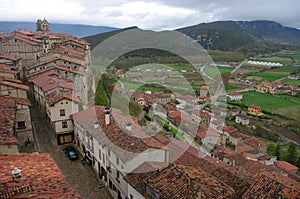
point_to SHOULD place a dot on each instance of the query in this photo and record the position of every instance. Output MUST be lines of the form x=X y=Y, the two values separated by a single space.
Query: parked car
x=71 y=153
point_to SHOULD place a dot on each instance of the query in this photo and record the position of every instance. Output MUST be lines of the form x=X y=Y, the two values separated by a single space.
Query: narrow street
x=80 y=176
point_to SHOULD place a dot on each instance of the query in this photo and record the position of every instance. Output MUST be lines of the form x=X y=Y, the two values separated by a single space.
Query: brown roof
x=65 y=58
x=180 y=181
x=7 y=118
x=136 y=178
x=286 y=166
x=266 y=84
x=9 y=56
x=40 y=175
x=54 y=97
x=15 y=85
x=47 y=83
x=268 y=186
x=126 y=144
x=255 y=142
x=234 y=94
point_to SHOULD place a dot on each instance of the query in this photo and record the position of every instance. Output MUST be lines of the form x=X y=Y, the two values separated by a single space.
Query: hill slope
x=255 y=36
x=96 y=39
x=74 y=29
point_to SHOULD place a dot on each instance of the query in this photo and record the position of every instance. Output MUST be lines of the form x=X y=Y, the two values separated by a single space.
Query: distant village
x=196 y=155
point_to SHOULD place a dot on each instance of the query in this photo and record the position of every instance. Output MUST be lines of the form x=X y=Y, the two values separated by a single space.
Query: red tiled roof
x=126 y=144
x=64 y=58
x=254 y=106
x=15 y=85
x=8 y=67
x=40 y=175
x=234 y=94
x=47 y=83
x=136 y=178
x=7 y=118
x=255 y=142
x=203 y=134
x=242 y=148
x=54 y=97
x=286 y=166
x=22 y=101
x=9 y=57
x=266 y=84
x=204 y=88
x=229 y=129
x=9 y=79
x=273 y=186
x=8 y=71
x=26 y=40
x=180 y=181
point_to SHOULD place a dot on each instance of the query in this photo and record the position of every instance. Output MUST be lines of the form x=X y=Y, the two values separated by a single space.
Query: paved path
x=239 y=66
x=80 y=176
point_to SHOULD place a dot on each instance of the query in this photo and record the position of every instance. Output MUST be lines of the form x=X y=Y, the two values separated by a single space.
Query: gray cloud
x=152 y=14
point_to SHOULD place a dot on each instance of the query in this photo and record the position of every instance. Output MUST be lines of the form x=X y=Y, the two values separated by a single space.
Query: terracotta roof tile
x=180 y=181
x=9 y=57
x=15 y=85
x=286 y=166
x=47 y=83
x=7 y=118
x=54 y=97
x=115 y=134
x=39 y=174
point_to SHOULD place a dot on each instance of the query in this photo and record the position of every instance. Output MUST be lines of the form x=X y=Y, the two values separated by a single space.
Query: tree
x=277 y=151
x=291 y=156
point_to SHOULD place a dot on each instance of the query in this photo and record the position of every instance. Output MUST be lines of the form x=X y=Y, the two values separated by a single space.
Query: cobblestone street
x=80 y=176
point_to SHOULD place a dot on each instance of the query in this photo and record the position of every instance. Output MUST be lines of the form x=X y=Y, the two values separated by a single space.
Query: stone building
x=42 y=25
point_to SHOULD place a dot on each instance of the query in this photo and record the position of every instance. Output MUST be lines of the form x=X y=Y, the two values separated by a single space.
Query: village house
x=115 y=144
x=266 y=87
x=204 y=94
x=234 y=96
x=201 y=116
x=59 y=107
x=281 y=186
x=242 y=119
x=15 y=120
x=23 y=176
x=13 y=88
x=21 y=43
x=11 y=62
x=47 y=83
x=288 y=167
x=255 y=110
x=207 y=138
x=8 y=140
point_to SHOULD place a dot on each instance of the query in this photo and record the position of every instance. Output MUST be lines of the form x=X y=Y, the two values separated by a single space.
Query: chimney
x=50 y=80
x=16 y=174
x=107 y=116
x=128 y=126
x=96 y=124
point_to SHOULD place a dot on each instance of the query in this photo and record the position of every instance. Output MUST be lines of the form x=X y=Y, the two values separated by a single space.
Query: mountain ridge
x=258 y=36
x=78 y=30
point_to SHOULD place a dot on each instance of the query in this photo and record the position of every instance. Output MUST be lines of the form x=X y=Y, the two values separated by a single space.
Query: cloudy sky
x=150 y=14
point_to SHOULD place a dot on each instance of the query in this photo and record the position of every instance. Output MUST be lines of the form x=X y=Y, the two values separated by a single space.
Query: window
x=117 y=160
x=21 y=125
x=108 y=152
x=64 y=124
x=131 y=196
x=99 y=154
x=118 y=174
x=62 y=112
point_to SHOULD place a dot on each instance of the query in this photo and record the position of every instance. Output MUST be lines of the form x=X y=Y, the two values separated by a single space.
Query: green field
x=213 y=71
x=293 y=81
x=268 y=76
x=268 y=102
x=288 y=68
